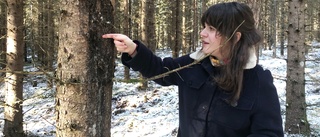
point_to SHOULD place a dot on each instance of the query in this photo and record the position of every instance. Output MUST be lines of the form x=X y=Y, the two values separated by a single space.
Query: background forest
x=60 y=78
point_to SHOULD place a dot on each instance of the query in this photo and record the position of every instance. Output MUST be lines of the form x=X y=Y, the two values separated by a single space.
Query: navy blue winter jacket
x=203 y=111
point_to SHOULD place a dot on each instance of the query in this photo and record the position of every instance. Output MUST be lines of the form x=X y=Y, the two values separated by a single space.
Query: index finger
x=111 y=35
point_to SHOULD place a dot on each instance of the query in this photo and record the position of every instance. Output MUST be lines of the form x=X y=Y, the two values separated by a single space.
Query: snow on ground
x=153 y=112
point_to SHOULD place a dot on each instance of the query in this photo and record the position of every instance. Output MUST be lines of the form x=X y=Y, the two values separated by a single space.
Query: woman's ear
x=238 y=36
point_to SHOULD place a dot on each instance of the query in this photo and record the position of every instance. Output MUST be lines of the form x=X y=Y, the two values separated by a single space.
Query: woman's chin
x=205 y=51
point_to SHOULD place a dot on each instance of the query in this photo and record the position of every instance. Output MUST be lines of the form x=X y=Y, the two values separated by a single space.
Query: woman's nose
x=203 y=33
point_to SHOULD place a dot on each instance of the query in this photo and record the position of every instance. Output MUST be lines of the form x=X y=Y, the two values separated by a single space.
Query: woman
x=226 y=94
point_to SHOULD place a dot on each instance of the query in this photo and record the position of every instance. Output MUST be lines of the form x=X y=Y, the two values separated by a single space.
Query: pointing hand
x=123 y=43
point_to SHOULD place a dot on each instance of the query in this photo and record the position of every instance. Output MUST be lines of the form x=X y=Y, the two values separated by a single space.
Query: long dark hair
x=228 y=18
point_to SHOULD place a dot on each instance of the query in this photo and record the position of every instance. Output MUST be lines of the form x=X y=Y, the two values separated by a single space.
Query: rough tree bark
x=13 y=126
x=85 y=69
x=3 y=34
x=296 y=117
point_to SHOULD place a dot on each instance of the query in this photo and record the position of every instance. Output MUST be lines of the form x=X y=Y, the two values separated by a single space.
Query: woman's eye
x=212 y=28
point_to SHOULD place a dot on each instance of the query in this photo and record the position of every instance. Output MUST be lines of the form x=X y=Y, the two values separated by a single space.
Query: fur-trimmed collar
x=252 y=62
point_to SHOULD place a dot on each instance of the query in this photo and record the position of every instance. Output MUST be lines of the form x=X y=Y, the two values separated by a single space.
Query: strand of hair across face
x=196 y=61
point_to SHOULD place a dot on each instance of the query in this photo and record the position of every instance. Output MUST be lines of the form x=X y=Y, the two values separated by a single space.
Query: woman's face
x=211 y=42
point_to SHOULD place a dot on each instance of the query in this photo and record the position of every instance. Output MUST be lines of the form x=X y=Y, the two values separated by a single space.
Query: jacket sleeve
x=267 y=121
x=150 y=65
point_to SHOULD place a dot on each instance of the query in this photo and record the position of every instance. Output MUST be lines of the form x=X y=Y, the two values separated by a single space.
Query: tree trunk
x=148 y=29
x=51 y=44
x=176 y=28
x=282 y=26
x=255 y=6
x=41 y=44
x=45 y=46
x=51 y=41
x=136 y=27
x=184 y=42
x=169 y=30
x=143 y=85
x=188 y=19
x=296 y=117
x=269 y=24
x=117 y=13
x=85 y=69
x=3 y=34
x=273 y=27
x=13 y=126
x=195 y=25
x=318 y=37
x=150 y=25
x=143 y=24
x=127 y=30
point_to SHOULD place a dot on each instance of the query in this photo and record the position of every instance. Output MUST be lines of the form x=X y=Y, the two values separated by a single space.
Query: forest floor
x=152 y=112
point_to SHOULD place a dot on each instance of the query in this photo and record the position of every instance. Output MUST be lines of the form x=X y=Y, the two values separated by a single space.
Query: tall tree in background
x=148 y=35
x=189 y=8
x=3 y=33
x=266 y=25
x=127 y=30
x=136 y=19
x=14 y=82
x=184 y=42
x=255 y=6
x=85 y=69
x=312 y=21
x=46 y=42
x=273 y=27
x=150 y=25
x=41 y=44
x=283 y=17
x=175 y=27
x=296 y=118
x=318 y=33
x=195 y=25
x=143 y=85
x=144 y=19
x=122 y=16
x=163 y=17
